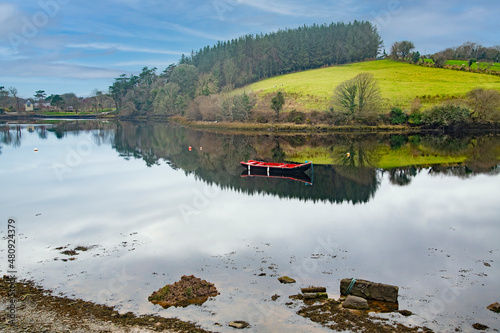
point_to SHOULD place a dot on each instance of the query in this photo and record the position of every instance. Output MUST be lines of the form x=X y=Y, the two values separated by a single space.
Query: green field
x=400 y=83
x=464 y=63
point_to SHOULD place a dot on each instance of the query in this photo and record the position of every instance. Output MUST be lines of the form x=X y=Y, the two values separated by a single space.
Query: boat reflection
x=277 y=174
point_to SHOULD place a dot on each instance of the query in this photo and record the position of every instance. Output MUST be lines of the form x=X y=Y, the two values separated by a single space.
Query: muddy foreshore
x=37 y=310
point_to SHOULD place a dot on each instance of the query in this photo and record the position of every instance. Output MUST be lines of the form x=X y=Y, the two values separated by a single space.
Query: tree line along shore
x=334 y=74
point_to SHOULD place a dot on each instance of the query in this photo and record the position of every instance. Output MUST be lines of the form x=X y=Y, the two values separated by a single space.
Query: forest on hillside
x=201 y=86
x=237 y=62
x=251 y=58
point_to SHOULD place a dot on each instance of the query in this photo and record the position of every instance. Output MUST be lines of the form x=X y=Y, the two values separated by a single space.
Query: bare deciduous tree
x=368 y=91
x=401 y=49
x=484 y=103
x=360 y=94
x=13 y=92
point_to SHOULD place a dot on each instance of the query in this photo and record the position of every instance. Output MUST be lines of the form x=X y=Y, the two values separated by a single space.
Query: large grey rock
x=371 y=290
x=309 y=295
x=315 y=295
x=355 y=302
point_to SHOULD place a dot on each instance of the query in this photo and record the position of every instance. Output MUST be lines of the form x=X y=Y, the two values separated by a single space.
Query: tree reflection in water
x=350 y=170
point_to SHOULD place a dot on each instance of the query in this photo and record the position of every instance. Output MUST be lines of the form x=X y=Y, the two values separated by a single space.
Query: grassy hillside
x=399 y=82
x=464 y=63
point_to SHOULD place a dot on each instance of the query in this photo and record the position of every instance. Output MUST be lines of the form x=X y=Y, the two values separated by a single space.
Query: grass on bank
x=383 y=157
x=285 y=128
x=400 y=83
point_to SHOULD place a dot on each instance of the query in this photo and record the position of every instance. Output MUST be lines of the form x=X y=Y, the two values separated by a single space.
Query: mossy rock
x=285 y=279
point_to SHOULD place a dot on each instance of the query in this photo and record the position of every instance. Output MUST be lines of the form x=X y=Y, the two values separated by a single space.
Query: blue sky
x=77 y=46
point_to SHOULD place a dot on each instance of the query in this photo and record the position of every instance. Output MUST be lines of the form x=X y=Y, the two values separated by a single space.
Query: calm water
x=152 y=210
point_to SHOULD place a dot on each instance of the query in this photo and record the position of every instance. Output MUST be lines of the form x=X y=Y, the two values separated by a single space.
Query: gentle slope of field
x=463 y=63
x=400 y=83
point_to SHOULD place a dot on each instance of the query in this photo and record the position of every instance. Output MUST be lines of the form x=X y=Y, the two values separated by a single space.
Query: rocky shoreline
x=38 y=311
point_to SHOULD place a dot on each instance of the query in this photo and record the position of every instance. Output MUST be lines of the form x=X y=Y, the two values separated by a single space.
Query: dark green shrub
x=316 y=117
x=415 y=139
x=397 y=141
x=335 y=117
x=261 y=119
x=415 y=118
x=397 y=116
x=296 y=117
x=446 y=115
x=416 y=57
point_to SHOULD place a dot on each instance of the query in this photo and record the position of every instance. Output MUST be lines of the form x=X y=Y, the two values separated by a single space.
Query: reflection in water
x=299 y=176
x=402 y=176
x=436 y=237
x=350 y=176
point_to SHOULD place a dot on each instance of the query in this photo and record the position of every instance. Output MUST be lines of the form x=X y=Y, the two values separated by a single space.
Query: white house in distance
x=44 y=105
x=28 y=106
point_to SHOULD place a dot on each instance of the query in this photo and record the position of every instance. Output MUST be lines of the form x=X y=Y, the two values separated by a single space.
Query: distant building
x=44 y=106
x=28 y=106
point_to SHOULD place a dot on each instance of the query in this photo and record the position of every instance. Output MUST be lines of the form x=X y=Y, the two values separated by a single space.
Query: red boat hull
x=281 y=167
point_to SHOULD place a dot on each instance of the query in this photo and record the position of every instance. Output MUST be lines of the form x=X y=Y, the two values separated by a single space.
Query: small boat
x=298 y=176
x=276 y=167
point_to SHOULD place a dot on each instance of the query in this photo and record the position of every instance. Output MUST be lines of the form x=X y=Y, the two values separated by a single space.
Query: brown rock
x=495 y=307
x=286 y=279
x=370 y=290
x=309 y=295
x=355 y=302
x=313 y=290
x=239 y=324
x=405 y=313
x=480 y=327
x=189 y=290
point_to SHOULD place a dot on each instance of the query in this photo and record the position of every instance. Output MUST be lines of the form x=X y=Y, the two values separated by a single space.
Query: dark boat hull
x=276 y=167
x=276 y=174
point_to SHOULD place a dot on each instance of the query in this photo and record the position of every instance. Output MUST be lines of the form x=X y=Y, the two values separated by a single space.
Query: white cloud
x=7 y=10
x=272 y=7
x=144 y=63
x=121 y=47
x=196 y=33
x=5 y=52
x=318 y=9
x=30 y=69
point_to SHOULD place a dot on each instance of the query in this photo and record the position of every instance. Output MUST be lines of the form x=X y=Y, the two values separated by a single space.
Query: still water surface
x=152 y=210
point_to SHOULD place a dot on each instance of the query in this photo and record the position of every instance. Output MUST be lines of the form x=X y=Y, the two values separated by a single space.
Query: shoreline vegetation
x=331 y=76
x=286 y=127
x=378 y=95
x=247 y=127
